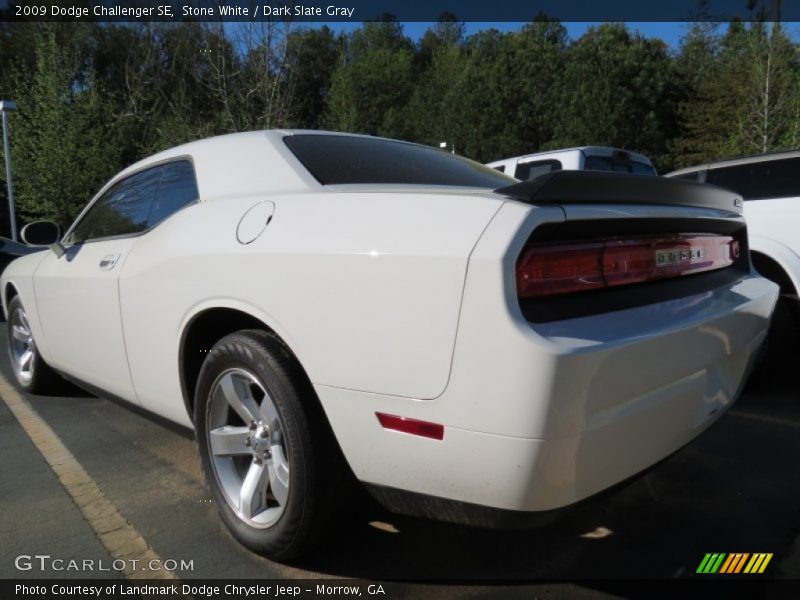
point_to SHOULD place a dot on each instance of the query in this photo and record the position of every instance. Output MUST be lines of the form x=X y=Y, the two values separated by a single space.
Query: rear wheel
x=31 y=372
x=262 y=445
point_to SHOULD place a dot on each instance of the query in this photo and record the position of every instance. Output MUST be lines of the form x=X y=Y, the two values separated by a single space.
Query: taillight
x=574 y=267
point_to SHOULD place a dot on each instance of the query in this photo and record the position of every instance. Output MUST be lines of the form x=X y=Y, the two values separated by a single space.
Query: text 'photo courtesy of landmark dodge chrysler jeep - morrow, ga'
x=469 y=347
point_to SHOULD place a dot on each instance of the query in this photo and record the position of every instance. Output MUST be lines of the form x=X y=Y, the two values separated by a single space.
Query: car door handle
x=109 y=262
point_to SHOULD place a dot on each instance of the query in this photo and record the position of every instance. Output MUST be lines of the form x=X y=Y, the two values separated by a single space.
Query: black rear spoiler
x=600 y=187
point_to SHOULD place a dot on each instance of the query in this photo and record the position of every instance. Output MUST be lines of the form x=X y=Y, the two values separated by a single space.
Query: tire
x=780 y=348
x=783 y=332
x=32 y=373
x=262 y=437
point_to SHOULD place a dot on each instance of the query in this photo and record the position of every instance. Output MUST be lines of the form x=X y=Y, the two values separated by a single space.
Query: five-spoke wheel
x=30 y=370
x=21 y=344
x=248 y=448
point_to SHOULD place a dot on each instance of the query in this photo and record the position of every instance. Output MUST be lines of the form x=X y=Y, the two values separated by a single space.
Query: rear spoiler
x=600 y=187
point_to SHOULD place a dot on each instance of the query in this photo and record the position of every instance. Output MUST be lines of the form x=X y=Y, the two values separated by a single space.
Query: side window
x=122 y=210
x=532 y=170
x=759 y=180
x=139 y=202
x=501 y=168
x=176 y=189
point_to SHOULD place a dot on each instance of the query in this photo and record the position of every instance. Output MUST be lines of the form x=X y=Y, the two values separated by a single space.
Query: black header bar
x=401 y=10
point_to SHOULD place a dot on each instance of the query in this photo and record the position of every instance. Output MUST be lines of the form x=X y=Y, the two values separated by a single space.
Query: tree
x=312 y=57
x=617 y=91
x=770 y=102
x=702 y=118
x=63 y=148
x=440 y=62
x=373 y=82
x=498 y=92
x=447 y=32
x=93 y=98
x=742 y=95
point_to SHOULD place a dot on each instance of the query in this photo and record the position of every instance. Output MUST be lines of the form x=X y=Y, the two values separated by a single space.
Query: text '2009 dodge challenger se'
x=471 y=347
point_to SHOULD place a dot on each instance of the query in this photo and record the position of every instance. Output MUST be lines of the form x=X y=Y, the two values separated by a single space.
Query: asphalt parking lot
x=735 y=489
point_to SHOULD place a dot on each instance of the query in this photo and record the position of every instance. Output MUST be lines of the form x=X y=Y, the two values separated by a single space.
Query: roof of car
x=206 y=144
x=741 y=160
x=243 y=140
x=246 y=160
x=243 y=163
x=246 y=163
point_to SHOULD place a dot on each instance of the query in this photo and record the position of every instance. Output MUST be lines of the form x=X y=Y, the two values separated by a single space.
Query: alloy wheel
x=23 y=349
x=248 y=448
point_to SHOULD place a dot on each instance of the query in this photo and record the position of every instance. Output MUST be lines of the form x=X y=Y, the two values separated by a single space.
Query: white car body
x=773 y=216
x=584 y=158
x=401 y=300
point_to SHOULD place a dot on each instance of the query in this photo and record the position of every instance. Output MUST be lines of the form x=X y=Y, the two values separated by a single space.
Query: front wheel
x=262 y=444
x=31 y=372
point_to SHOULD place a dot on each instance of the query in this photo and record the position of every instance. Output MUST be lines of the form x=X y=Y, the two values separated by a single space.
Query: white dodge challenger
x=472 y=348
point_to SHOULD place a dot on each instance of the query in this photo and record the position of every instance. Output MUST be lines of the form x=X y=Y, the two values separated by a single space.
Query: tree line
x=94 y=98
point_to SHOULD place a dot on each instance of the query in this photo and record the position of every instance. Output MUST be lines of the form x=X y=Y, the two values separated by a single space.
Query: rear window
x=756 y=181
x=340 y=159
x=532 y=170
x=691 y=176
x=620 y=165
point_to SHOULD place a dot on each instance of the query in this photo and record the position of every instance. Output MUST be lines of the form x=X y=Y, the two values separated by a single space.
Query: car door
x=78 y=293
x=150 y=284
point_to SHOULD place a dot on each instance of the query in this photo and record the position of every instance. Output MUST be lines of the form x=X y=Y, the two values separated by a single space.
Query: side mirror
x=40 y=233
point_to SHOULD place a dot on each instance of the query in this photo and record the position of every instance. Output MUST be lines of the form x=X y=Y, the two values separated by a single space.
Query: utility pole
x=5 y=107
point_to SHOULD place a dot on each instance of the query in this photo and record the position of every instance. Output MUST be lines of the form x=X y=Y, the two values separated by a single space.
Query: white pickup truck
x=585 y=158
x=770 y=186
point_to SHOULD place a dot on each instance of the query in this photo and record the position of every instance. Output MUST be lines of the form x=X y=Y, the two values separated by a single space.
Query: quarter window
x=176 y=189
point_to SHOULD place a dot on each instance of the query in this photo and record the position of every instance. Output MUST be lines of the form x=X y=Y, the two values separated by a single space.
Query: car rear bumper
x=566 y=410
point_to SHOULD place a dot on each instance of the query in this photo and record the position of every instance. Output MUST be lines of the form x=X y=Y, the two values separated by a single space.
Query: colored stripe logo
x=733 y=563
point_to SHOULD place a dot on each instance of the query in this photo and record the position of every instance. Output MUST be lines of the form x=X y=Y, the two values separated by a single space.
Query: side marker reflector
x=426 y=429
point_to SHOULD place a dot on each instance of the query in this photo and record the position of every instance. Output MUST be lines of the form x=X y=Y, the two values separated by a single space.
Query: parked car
x=470 y=347
x=586 y=158
x=770 y=186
